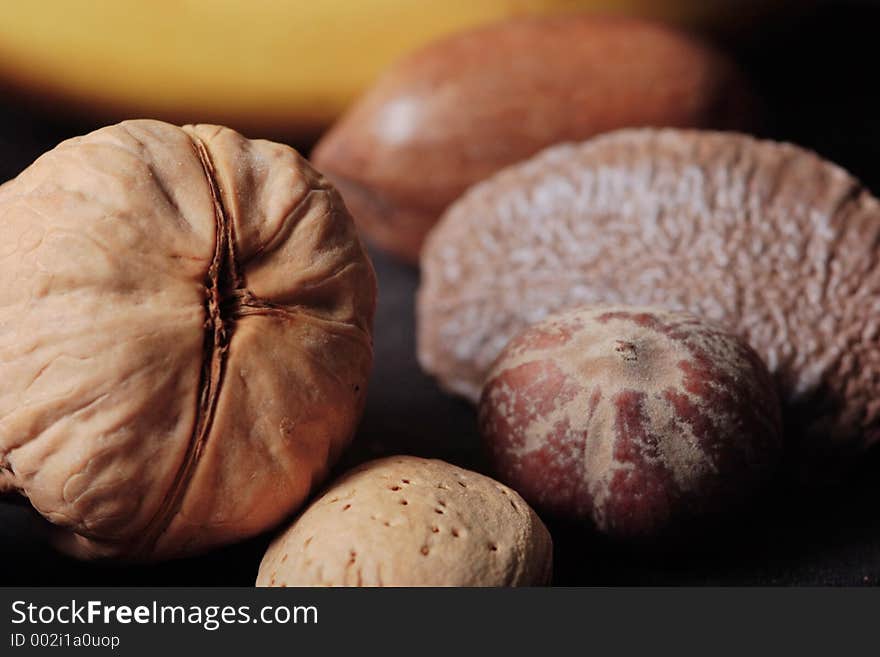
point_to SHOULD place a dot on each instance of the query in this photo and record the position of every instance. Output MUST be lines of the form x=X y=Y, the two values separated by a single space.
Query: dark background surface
x=816 y=70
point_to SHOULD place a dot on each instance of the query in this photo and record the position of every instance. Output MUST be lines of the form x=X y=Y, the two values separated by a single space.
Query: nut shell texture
x=184 y=336
x=459 y=110
x=407 y=521
x=766 y=238
x=636 y=420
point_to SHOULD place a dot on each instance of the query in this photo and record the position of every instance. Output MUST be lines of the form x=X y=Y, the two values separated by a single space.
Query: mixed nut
x=765 y=238
x=651 y=320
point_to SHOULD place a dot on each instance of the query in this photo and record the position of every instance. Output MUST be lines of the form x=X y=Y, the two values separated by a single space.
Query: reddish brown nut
x=461 y=109
x=768 y=239
x=185 y=323
x=634 y=419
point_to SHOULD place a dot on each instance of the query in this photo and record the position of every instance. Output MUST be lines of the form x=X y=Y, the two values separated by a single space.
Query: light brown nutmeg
x=636 y=421
x=407 y=521
x=185 y=336
x=459 y=110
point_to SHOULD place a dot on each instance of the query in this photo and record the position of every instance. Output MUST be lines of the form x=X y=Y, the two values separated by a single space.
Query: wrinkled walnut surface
x=408 y=521
x=635 y=420
x=184 y=336
x=766 y=238
x=453 y=113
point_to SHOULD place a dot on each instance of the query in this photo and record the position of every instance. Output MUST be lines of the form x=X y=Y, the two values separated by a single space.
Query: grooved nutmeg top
x=185 y=343
x=636 y=420
x=766 y=238
x=453 y=113
x=408 y=521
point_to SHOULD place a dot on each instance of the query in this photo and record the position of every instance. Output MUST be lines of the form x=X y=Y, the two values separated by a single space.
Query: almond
x=408 y=521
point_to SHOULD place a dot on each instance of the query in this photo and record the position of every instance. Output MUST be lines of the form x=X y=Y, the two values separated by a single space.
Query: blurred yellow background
x=291 y=65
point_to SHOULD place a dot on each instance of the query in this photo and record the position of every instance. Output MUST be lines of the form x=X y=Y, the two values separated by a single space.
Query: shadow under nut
x=765 y=238
x=459 y=110
x=185 y=341
x=408 y=521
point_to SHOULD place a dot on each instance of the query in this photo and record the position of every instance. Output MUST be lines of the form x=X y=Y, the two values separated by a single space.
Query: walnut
x=185 y=336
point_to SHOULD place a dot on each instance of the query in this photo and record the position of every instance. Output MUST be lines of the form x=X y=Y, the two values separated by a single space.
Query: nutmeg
x=463 y=108
x=768 y=239
x=636 y=421
x=185 y=341
x=408 y=521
